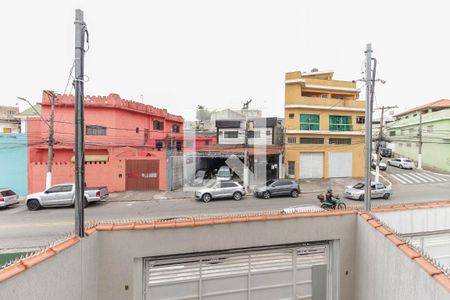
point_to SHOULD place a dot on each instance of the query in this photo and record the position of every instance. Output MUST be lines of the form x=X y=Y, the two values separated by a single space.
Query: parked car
x=8 y=197
x=386 y=152
x=278 y=187
x=302 y=208
x=201 y=176
x=63 y=195
x=221 y=189
x=223 y=174
x=378 y=190
x=381 y=165
x=402 y=163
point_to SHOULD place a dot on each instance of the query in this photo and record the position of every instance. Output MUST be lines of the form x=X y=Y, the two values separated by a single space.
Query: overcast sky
x=178 y=54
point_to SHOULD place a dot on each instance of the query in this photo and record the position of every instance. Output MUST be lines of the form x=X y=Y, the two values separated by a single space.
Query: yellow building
x=324 y=123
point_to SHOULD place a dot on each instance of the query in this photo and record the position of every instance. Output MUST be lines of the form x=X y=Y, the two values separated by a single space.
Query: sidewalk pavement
x=308 y=186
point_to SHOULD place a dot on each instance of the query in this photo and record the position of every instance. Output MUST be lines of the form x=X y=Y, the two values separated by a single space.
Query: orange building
x=126 y=143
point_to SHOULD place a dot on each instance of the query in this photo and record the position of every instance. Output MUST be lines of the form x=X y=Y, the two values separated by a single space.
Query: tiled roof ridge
x=426 y=105
x=427 y=263
x=23 y=263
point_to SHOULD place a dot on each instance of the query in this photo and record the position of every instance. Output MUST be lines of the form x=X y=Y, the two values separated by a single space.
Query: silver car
x=402 y=163
x=221 y=189
x=378 y=190
x=8 y=197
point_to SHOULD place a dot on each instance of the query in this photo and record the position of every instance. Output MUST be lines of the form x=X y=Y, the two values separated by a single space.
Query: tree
x=202 y=113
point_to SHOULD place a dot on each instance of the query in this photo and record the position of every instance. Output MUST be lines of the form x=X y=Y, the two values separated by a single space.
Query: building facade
x=127 y=144
x=324 y=123
x=8 y=122
x=434 y=121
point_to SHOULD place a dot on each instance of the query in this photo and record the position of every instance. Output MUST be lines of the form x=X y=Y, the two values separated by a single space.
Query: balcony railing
x=341 y=127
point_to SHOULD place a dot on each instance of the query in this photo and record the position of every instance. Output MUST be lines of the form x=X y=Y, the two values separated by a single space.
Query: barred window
x=95 y=130
x=338 y=141
x=231 y=134
x=158 y=125
x=311 y=141
x=291 y=167
x=392 y=133
x=292 y=140
x=175 y=128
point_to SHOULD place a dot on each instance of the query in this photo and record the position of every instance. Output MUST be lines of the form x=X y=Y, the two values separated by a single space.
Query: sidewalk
x=308 y=186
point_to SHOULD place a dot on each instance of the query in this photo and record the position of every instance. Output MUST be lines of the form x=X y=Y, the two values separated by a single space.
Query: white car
x=402 y=163
x=224 y=174
x=8 y=197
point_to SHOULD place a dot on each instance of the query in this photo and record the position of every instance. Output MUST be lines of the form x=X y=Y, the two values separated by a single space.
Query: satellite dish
x=314 y=70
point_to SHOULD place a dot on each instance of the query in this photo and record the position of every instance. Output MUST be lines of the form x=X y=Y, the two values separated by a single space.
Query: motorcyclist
x=329 y=197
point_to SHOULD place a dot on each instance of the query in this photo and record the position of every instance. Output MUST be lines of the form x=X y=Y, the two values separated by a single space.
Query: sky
x=179 y=54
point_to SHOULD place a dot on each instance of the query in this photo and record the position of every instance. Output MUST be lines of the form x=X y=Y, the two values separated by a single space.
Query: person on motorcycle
x=329 y=196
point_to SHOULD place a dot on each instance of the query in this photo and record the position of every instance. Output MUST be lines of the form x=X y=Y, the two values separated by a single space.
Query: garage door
x=311 y=165
x=142 y=175
x=283 y=273
x=340 y=164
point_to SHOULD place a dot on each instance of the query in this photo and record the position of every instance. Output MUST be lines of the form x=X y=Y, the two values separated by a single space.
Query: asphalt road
x=23 y=229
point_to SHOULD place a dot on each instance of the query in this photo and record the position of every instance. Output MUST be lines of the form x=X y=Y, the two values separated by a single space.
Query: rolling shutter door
x=311 y=165
x=340 y=164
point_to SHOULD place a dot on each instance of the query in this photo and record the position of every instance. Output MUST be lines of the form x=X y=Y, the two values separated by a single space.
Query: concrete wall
x=70 y=274
x=120 y=263
x=13 y=162
x=384 y=272
x=417 y=220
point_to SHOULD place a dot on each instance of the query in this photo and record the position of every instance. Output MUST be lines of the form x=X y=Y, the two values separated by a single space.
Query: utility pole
x=246 y=158
x=419 y=158
x=380 y=139
x=80 y=31
x=368 y=137
x=51 y=141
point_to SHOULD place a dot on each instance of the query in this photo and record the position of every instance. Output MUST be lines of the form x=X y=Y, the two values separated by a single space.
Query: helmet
x=330 y=190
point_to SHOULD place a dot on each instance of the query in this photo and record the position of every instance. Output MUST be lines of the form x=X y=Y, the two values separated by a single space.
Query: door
x=311 y=165
x=228 y=188
x=340 y=164
x=142 y=175
x=379 y=190
x=284 y=272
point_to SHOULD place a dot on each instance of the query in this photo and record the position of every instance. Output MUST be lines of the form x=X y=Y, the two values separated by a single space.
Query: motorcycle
x=338 y=203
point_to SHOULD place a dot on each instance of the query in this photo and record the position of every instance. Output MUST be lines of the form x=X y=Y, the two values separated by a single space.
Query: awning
x=90 y=158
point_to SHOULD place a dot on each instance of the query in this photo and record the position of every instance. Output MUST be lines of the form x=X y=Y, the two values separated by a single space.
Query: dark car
x=386 y=152
x=278 y=187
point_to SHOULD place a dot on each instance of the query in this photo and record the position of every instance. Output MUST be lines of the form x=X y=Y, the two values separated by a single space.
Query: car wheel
x=294 y=194
x=386 y=196
x=85 y=202
x=361 y=198
x=341 y=206
x=237 y=196
x=400 y=166
x=206 y=198
x=324 y=206
x=33 y=204
x=266 y=195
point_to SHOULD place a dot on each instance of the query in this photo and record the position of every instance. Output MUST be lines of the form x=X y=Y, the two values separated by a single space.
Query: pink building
x=126 y=143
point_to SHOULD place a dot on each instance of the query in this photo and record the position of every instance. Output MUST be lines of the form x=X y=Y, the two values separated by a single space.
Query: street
x=23 y=229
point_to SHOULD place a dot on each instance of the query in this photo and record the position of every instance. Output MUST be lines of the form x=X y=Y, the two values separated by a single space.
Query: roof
x=429 y=267
x=442 y=103
x=31 y=111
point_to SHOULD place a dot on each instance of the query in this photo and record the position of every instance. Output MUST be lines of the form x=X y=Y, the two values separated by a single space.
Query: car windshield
x=269 y=182
x=359 y=186
x=407 y=160
x=223 y=173
x=7 y=193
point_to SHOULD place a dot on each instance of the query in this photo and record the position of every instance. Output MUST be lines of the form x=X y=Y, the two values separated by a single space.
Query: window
x=159 y=145
x=400 y=145
x=392 y=133
x=206 y=142
x=59 y=189
x=292 y=140
x=408 y=145
x=175 y=128
x=402 y=132
x=228 y=184
x=179 y=145
x=291 y=116
x=137 y=129
x=158 y=125
x=324 y=96
x=341 y=123
x=268 y=132
x=360 y=119
x=309 y=122
x=231 y=134
x=311 y=141
x=145 y=136
x=291 y=168
x=430 y=128
x=95 y=130
x=380 y=186
x=254 y=134
x=411 y=131
x=340 y=141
